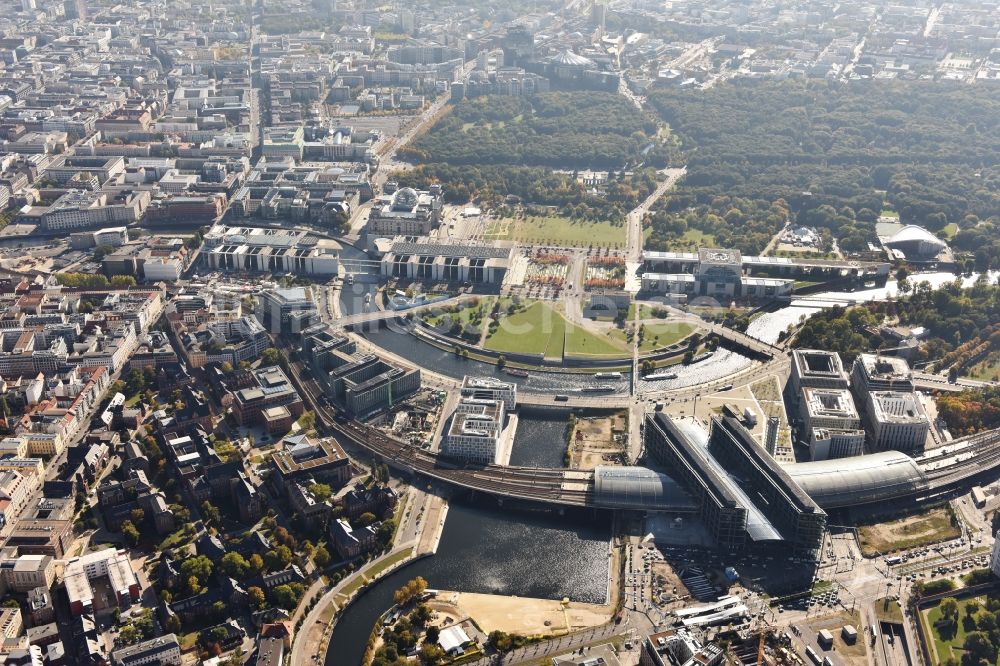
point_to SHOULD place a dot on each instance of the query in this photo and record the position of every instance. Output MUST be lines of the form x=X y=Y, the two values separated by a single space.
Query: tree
x=321 y=491
x=307 y=421
x=285 y=597
x=130 y=533
x=270 y=356
x=421 y=614
x=411 y=590
x=123 y=281
x=284 y=537
x=500 y=640
x=949 y=609
x=431 y=634
x=279 y=558
x=431 y=654
x=366 y=519
x=385 y=531
x=210 y=511
x=979 y=648
x=256 y=563
x=194 y=587
x=173 y=624
x=234 y=565
x=321 y=556
x=501 y=361
x=257 y=597
x=199 y=567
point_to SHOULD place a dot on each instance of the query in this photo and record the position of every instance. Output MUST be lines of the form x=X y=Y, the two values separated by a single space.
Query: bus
x=893 y=560
x=813 y=657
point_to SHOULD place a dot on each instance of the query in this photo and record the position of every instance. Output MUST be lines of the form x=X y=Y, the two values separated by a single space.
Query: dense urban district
x=548 y=332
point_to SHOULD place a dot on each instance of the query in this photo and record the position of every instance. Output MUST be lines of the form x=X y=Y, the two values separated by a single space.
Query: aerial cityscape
x=482 y=332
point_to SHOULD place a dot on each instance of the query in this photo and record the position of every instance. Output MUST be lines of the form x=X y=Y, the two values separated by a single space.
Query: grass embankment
x=908 y=532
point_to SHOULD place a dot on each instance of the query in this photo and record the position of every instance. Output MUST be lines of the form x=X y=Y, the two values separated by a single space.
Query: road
x=309 y=654
x=389 y=148
x=633 y=244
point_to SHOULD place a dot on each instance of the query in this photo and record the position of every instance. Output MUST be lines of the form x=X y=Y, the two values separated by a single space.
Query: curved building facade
x=857 y=480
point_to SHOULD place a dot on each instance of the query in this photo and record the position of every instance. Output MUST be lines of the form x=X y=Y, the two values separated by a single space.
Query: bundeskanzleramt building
x=712 y=273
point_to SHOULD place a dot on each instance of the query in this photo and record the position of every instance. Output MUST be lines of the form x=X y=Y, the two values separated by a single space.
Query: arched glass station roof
x=841 y=482
x=639 y=488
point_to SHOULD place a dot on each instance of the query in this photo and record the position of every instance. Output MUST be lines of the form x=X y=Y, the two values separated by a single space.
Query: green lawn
x=581 y=342
x=558 y=230
x=950 y=230
x=540 y=329
x=691 y=240
x=464 y=314
x=531 y=331
x=664 y=335
x=376 y=569
x=987 y=370
x=889 y=213
x=948 y=637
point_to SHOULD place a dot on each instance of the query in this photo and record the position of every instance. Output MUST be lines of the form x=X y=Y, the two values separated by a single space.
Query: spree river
x=723 y=362
x=484 y=549
x=539 y=554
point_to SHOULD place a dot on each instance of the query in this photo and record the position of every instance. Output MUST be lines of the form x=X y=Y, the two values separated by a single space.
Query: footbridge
x=746 y=344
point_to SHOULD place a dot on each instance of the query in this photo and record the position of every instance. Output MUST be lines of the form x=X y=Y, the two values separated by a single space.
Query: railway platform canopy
x=639 y=488
x=858 y=480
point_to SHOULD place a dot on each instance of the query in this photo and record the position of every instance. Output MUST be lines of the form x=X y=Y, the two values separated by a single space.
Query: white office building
x=490 y=388
x=474 y=434
x=896 y=421
x=826 y=443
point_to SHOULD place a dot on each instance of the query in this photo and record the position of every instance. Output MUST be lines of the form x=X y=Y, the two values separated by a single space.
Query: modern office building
x=817 y=368
x=474 y=433
x=796 y=516
x=267 y=250
x=722 y=507
x=828 y=408
x=873 y=372
x=290 y=310
x=490 y=388
x=896 y=421
x=827 y=443
x=361 y=382
x=431 y=259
